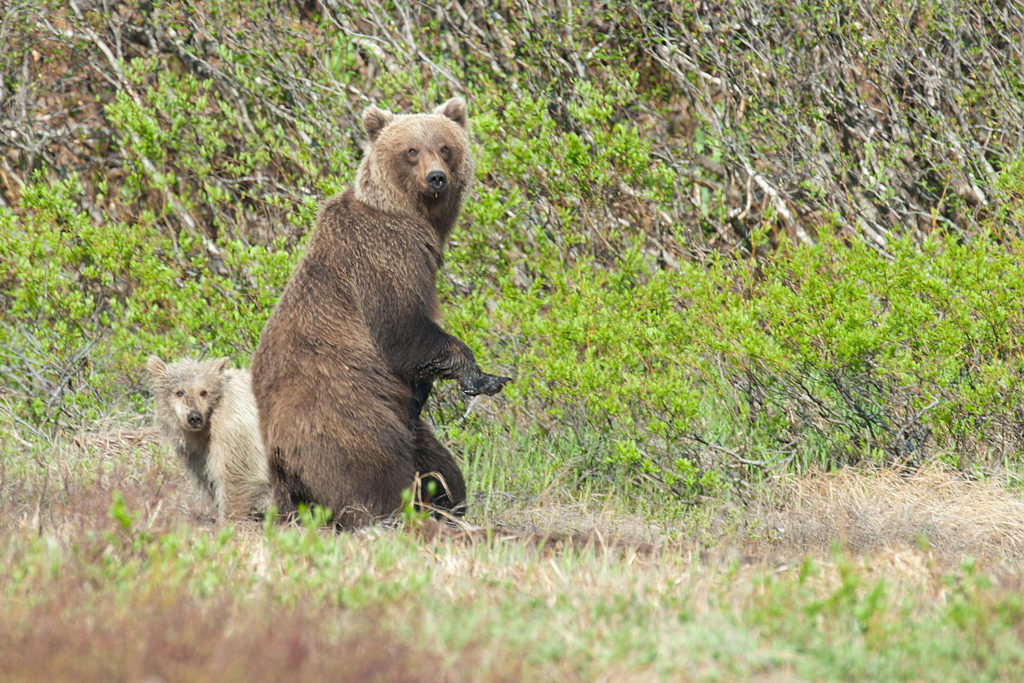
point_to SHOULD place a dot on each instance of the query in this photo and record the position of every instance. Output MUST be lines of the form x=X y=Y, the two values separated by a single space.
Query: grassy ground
x=113 y=569
x=755 y=265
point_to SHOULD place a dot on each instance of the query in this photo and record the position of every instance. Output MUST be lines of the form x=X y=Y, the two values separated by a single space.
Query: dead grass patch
x=98 y=600
x=879 y=510
x=185 y=638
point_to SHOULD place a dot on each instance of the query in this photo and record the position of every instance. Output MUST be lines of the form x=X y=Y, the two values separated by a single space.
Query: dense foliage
x=710 y=239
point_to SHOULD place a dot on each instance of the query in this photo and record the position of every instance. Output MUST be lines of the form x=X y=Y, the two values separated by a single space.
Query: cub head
x=187 y=391
x=417 y=165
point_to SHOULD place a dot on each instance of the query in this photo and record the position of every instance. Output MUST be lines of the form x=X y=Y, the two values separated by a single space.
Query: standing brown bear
x=349 y=355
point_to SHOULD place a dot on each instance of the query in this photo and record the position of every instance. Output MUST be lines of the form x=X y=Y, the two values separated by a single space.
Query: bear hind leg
x=287 y=491
x=431 y=456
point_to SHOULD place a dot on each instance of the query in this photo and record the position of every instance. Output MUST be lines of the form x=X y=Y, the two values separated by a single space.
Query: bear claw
x=486 y=384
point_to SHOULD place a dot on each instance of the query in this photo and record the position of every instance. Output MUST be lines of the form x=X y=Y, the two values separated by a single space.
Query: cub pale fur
x=206 y=412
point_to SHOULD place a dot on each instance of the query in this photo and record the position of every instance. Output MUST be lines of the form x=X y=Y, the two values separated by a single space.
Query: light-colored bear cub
x=206 y=412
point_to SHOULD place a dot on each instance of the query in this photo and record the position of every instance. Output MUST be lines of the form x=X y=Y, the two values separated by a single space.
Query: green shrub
x=650 y=247
x=85 y=302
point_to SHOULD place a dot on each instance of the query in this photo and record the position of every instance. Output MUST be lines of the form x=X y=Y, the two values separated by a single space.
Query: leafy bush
x=707 y=247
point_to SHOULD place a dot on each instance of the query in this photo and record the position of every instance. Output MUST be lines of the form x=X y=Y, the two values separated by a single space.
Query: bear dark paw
x=484 y=384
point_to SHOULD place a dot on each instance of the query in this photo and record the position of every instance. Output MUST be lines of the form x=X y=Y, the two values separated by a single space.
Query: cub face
x=187 y=389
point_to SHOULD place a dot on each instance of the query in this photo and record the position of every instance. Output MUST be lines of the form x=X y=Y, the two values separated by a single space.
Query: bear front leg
x=456 y=361
x=420 y=392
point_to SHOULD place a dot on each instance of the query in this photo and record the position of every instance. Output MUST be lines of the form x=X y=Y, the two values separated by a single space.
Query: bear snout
x=436 y=180
x=194 y=419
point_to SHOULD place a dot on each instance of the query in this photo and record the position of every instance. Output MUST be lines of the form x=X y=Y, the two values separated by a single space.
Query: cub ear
x=156 y=367
x=374 y=121
x=455 y=109
x=220 y=364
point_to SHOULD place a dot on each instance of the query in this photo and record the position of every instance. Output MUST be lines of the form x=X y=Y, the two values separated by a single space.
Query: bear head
x=417 y=165
x=187 y=391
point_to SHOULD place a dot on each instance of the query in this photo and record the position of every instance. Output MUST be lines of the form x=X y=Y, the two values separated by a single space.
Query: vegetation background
x=756 y=266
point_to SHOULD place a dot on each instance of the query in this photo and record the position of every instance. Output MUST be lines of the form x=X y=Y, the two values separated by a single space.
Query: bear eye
x=445 y=151
x=179 y=393
x=203 y=392
x=413 y=152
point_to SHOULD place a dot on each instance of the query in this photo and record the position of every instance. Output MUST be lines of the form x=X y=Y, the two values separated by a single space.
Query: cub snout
x=194 y=419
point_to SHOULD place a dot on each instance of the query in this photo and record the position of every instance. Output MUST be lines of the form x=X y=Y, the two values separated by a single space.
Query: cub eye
x=413 y=152
x=203 y=392
x=445 y=151
x=179 y=393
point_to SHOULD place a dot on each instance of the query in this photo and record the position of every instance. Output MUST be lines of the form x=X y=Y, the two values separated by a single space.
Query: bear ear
x=156 y=367
x=455 y=109
x=374 y=121
x=220 y=364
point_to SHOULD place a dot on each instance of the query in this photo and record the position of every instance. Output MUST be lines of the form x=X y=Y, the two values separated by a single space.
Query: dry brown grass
x=869 y=511
x=864 y=510
x=81 y=623
x=934 y=514
x=75 y=484
x=192 y=640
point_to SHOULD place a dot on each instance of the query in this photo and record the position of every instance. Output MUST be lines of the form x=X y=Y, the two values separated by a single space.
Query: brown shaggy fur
x=350 y=353
x=206 y=412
